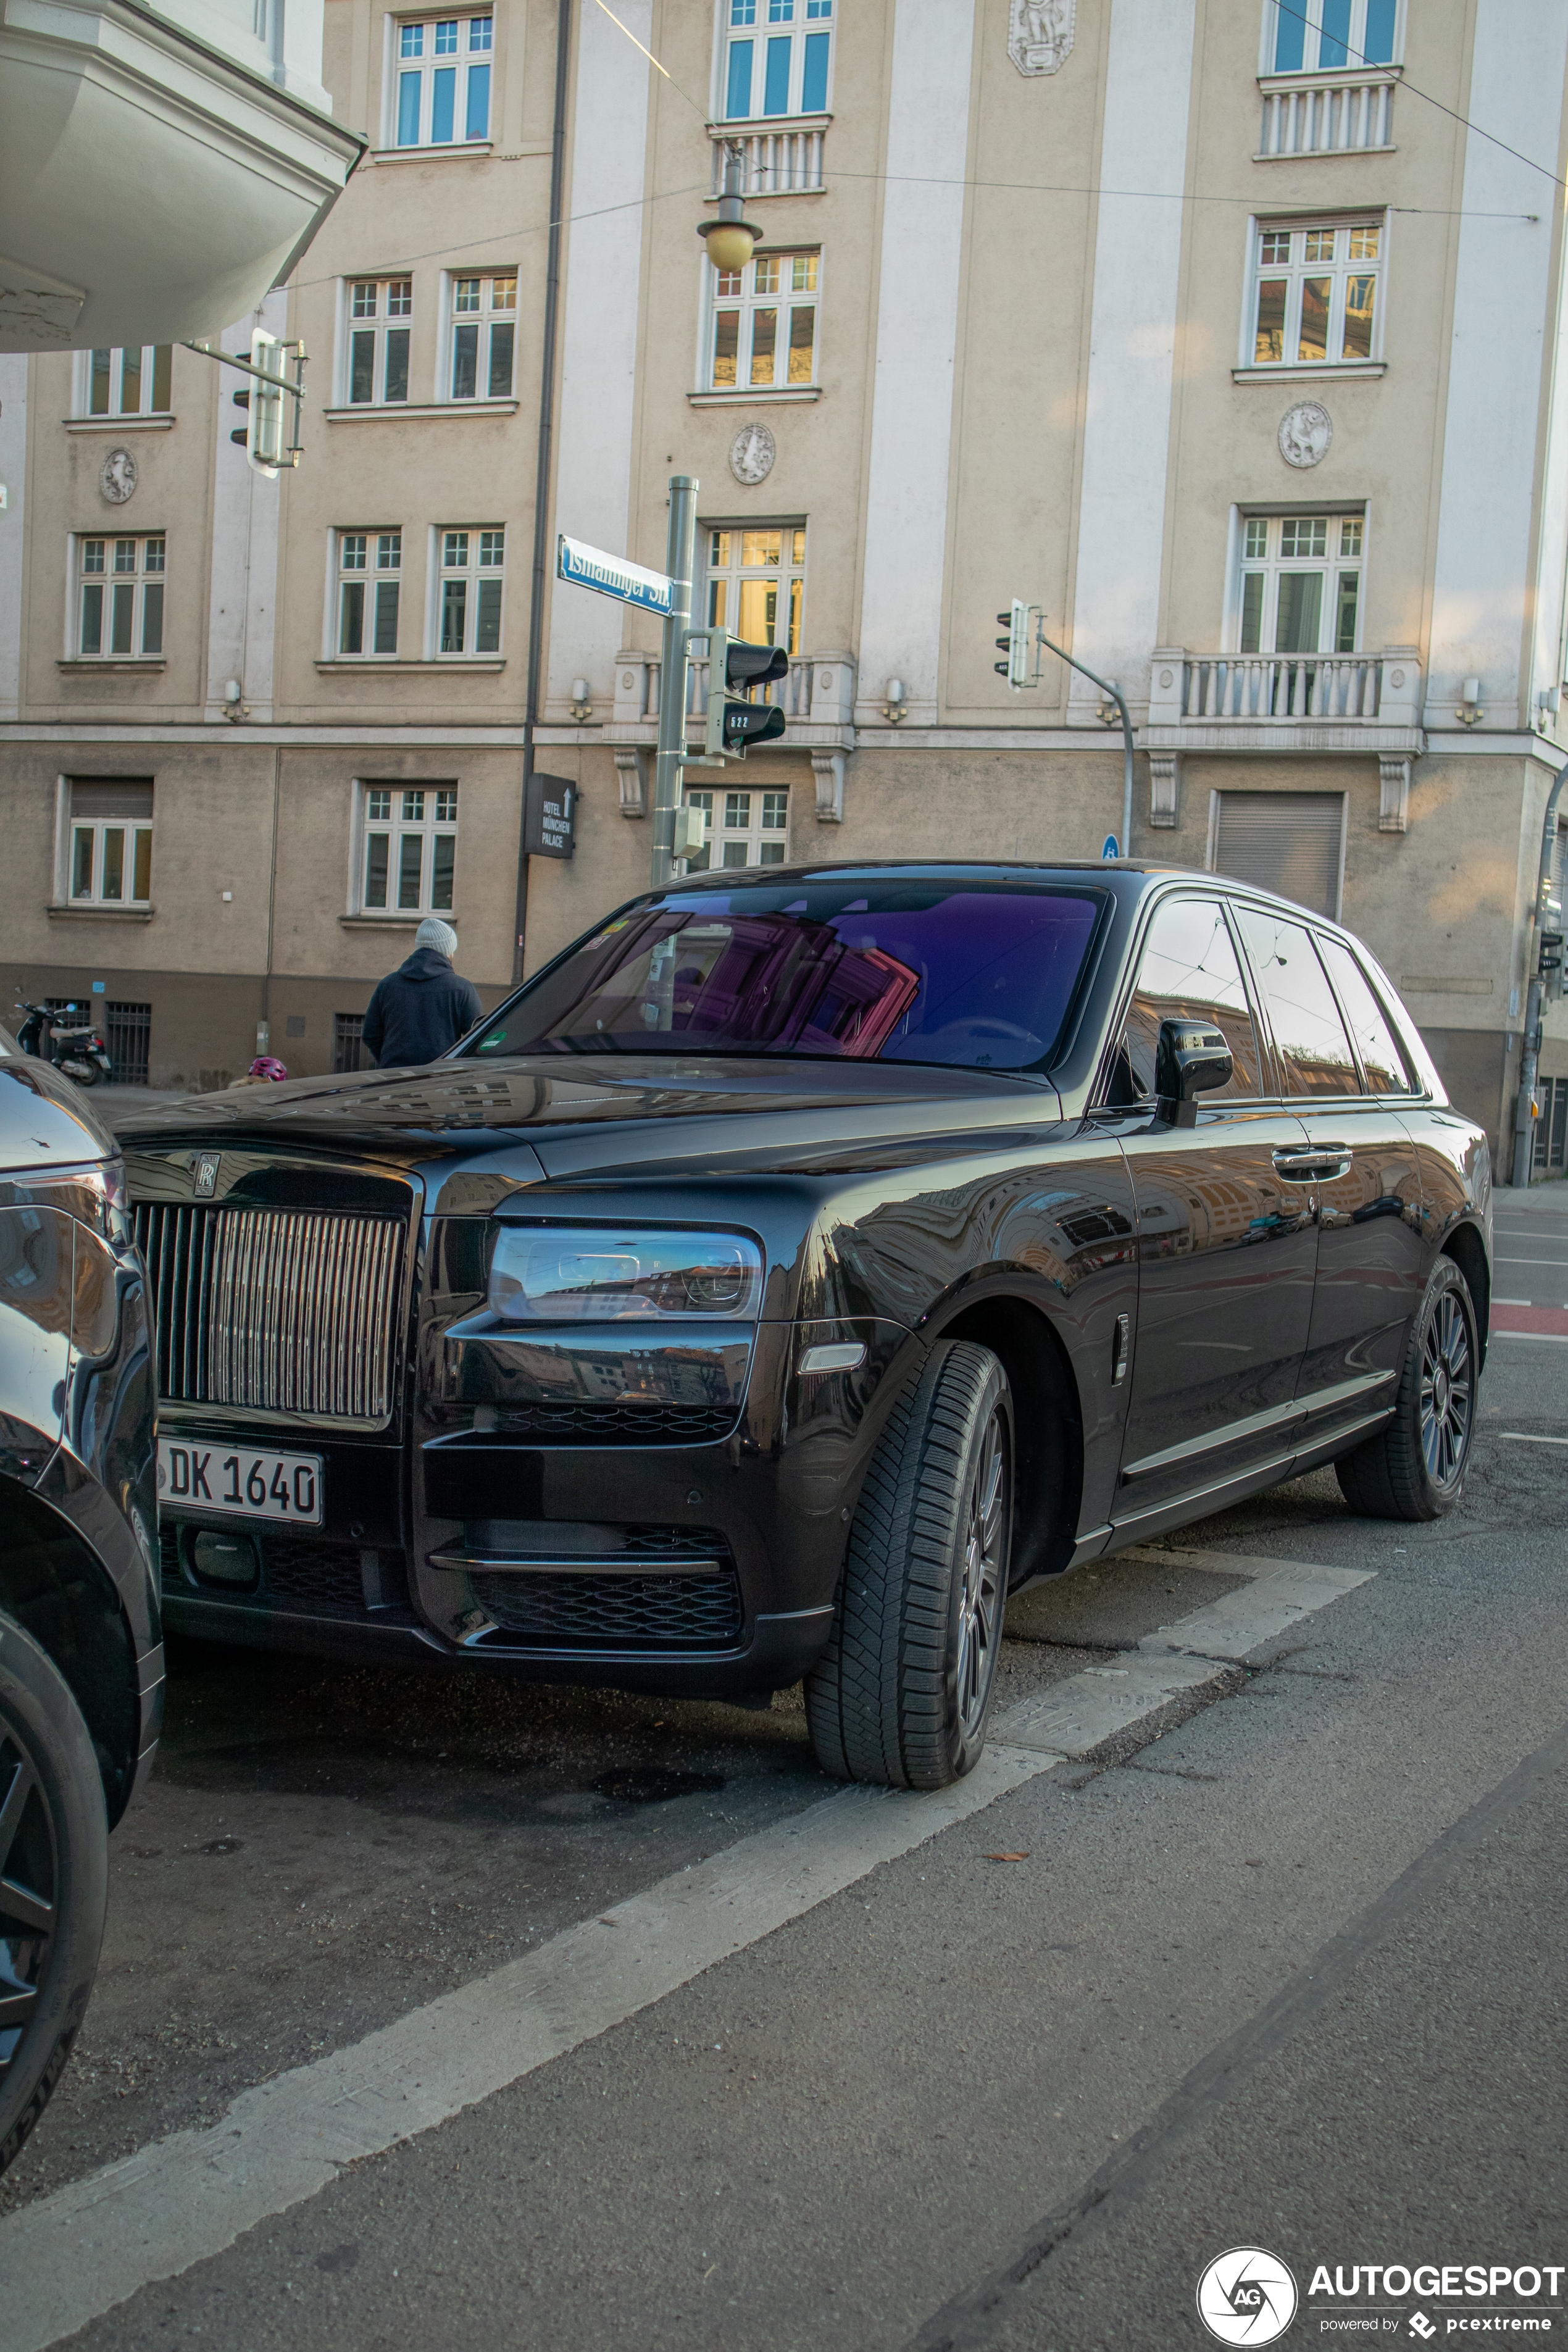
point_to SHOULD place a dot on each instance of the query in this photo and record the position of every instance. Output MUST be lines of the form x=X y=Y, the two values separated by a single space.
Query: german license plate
x=242 y=1483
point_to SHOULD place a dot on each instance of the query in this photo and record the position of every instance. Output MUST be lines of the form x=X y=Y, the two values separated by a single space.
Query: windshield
x=974 y=973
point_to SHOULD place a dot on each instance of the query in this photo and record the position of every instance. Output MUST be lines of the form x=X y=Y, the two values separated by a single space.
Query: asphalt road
x=1279 y=1965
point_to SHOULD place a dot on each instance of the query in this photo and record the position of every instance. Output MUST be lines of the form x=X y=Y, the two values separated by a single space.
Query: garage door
x=1289 y=842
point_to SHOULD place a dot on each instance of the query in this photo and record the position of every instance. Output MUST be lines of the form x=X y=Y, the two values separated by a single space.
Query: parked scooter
x=58 y=1037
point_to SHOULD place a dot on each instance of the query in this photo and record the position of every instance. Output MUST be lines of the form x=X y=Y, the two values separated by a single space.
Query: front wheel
x=1415 y=1467
x=901 y=1694
x=53 y=1879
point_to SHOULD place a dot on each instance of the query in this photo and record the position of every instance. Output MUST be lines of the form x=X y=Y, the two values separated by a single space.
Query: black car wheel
x=1414 y=1468
x=901 y=1694
x=53 y=1879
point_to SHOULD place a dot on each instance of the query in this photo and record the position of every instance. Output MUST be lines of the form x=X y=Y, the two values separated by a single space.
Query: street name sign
x=611 y=575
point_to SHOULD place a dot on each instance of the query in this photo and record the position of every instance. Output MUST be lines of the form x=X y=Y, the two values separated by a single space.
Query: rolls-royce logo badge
x=206 y=1175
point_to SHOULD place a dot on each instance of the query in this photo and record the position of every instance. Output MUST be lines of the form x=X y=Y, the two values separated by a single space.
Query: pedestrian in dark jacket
x=420 y=1010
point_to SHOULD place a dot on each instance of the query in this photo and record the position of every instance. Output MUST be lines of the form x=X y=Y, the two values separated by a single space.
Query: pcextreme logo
x=1247 y=2296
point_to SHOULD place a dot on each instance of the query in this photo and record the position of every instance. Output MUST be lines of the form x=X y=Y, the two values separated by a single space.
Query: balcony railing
x=777 y=158
x=1326 y=114
x=1281 y=689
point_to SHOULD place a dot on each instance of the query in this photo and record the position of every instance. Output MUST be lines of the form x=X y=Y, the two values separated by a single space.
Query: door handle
x=1323 y=1166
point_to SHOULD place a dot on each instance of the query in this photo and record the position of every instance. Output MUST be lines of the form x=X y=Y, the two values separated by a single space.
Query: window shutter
x=1287 y=842
x=116 y=797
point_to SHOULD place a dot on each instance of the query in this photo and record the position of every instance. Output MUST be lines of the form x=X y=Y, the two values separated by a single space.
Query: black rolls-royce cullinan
x=801 y=1261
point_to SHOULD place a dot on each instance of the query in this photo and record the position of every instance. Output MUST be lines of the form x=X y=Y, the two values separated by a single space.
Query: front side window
x=441 y=81
x=136 y=382
x=1315 y=295
x=409 y=834
x=380 y=319
x=120 y=598
x=1189 y=972
x=109 y=848
x=763 y=334
x=742 y=828
x=972 y=974
x=756 y=583
x=1326 y=35
x=370 y=587
x=468 y=616
x=482 y=334
x=1299 y=591
x=1309 y=1038
x=777 y=57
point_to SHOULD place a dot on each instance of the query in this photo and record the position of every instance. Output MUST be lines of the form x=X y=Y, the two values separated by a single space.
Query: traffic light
x=735 y=666
x=263 y=436
x=1551 y=965
x=1015 y=645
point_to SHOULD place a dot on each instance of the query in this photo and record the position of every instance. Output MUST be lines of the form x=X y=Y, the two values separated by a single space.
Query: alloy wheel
x=1448 y=1390
x=28 y=1883
x=981 y=1596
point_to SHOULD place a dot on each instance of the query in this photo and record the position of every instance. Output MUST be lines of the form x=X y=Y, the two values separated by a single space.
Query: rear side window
x=1380 y=1055
x=1315 y=1051
x=1190 y=972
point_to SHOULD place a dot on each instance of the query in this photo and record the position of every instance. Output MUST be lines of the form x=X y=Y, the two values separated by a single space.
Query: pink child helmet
x=266 y=1065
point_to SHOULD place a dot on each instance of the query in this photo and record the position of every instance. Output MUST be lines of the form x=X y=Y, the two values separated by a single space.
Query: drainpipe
x=1530 y=1055
x=543 y=460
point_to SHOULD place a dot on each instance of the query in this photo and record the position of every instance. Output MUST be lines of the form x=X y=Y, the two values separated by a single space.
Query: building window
x=136 y=382
x=348 y=1043
x=764 y=323
x=379 y=312
x=1292 y=842
x=748 y=828
x=128 y=1034
x=1325 y=36
x=1299 y=591
x=120 y=598
x=108 y=845
x=370 y=564
x=756 y=583
x=1315 y=295
x=482 y=334
x=442 y=80
x=410 y=848
x=778 y=58
x=469 y=590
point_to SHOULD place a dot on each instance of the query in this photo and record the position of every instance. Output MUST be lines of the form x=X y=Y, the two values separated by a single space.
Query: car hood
x=627 y=1112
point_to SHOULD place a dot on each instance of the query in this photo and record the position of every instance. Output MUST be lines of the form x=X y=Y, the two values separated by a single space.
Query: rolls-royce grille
x=614 y=1612
x=282 y=1310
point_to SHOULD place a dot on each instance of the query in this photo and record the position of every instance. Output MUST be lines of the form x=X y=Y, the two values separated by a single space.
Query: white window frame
x=490 y=315
x=473 y=568
x=380 y=547
x=783 y=300
x=767 y=21
x=1302 y=228
x=1336 y=559
x=391 y=287
x=1355 y=39
x=747 y=824
x=427 y=64
x=149 y=365
x=110 y=575
x=437 y=817
x=738 y=614
x=70 y=825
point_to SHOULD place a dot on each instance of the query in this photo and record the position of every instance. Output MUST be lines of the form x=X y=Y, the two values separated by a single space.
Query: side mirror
x=1192 y=1060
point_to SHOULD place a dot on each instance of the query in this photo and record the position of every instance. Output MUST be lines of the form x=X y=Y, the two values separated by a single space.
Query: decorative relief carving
x=117 y=477
x=1305 y=433
x=752 y=454
x=1040 y=34
x=1165 y=788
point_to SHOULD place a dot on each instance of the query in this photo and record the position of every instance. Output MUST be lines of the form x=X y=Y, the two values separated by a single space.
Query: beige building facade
x=1226 y=333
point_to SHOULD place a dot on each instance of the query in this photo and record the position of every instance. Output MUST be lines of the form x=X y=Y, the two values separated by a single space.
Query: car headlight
x=94 y=1194
x=578 y=1274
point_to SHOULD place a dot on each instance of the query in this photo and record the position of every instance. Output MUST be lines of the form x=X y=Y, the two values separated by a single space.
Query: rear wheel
x=53 y=1879
x=1414 y=1468
x=901 y=1694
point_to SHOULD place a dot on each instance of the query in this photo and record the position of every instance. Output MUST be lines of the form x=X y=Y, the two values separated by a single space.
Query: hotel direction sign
x=611 y=575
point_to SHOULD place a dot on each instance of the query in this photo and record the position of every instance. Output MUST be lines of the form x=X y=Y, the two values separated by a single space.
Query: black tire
x=91 y=1075
x=1415 y=1467
x=901 y=1694
x=54 y=1863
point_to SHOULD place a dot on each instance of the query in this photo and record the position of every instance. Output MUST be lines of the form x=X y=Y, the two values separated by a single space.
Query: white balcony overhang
x=152 y=187
x=1302 y=703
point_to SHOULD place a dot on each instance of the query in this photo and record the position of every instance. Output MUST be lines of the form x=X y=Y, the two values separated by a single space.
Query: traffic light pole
x=671 y=753
x=1105 y=686
x=1530 y=1055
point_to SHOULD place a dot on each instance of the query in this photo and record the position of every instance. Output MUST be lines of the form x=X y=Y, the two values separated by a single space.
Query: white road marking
x=1558 y=1336
x=1523 y=1437
x=1556 y=1261
x=1514 y=1302
x=70 y=2257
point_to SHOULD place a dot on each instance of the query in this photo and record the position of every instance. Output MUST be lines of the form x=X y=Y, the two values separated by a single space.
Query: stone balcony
x=1344 y=113
x=780 y=155
x=817 y=696
x=1296 y=703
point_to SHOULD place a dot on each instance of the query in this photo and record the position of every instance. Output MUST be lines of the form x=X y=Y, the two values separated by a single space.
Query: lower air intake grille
x=616 y=1423
x=297 y=1579
x=614 y=1613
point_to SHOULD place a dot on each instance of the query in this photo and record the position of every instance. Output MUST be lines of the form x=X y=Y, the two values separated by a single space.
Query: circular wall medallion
x=752 y=454
x=117 y=477
x=1305 y=433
